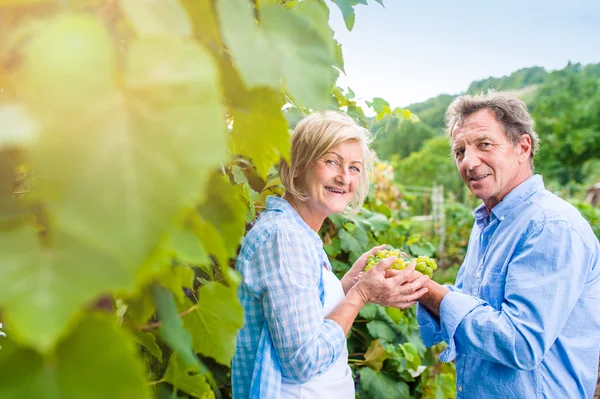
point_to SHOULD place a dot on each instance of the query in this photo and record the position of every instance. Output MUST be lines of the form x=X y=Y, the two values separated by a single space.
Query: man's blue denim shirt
x=523 y=320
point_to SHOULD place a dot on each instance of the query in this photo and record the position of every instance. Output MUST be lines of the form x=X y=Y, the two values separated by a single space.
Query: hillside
x=523 y=82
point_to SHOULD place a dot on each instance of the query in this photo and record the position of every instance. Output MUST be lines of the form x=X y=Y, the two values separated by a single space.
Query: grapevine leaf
x=157 y=17
x=286 y=45
x=215 y=322
x=68 y=65
x=210 y=237
x=307 y=62
x=347 y=12
x=252 y=52
x=171 y=329
x=184 y=378
x=95 y=348
x=369 y=311
x=260 y=131
x=375 y=355
x=187 y=247
x=204 y=21
x=334 y=248
x=61 y=279
x=348 y=242
x=380 y=329
x=422 y=249
x=148 y=341
x=380 y=386
x=175 y=278
x=113 y=191
x=226 y=210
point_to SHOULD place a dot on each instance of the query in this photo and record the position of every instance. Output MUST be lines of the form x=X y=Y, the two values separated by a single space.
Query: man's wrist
x=432 y=300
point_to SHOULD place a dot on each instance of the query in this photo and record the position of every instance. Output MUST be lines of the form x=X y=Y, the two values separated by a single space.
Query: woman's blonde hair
x=313 y=137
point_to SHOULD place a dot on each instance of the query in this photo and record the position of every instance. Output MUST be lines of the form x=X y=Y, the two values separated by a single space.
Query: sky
x=413 y=50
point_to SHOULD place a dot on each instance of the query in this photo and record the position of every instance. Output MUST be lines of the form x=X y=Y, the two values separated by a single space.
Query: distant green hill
x=523 y=83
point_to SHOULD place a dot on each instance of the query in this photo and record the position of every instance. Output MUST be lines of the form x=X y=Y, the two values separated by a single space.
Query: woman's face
x=331 y=181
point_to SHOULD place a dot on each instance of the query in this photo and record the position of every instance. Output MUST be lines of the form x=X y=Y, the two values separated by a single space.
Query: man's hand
x=352 y=275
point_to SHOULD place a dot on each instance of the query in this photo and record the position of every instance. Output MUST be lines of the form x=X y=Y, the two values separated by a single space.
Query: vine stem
x=357 y=361
x=156 y=382
x=156 y=324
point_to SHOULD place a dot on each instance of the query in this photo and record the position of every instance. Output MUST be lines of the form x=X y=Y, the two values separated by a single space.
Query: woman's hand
x=397 y=288
x=352 y=275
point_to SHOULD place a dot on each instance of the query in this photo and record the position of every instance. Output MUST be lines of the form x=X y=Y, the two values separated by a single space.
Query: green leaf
x=380 y=329
x=260 y=131
x=425 y=248
x=348 y=242
x=95 y=348
x=334 y=249
x=210 y=237
x=157 y=17
x=287 y=44
x=113 y=184
x=251 y=50
x=148 y=341
x=175 y=278
x=347 y=12
x=306 y=57
x=375 y=355
x=214 y=324
x=64 y=277
x=171 y=328
x=379 y=222
x=187 y=247
x=68 y=65
x=184 y=378
x=369 y=311
x=380 y=386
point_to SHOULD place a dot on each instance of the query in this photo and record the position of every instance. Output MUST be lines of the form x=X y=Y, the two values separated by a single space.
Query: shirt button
x=478 y=274
x=460 y=388
x=501 y=217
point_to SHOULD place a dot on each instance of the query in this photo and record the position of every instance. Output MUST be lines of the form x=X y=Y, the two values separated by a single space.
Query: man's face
x=488 y=163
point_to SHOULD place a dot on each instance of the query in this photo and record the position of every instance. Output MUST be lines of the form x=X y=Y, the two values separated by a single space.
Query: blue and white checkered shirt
x=282 y=293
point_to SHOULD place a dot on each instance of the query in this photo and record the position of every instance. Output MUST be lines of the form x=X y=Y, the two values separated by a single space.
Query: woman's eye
x=331 y=162
x=355 y=169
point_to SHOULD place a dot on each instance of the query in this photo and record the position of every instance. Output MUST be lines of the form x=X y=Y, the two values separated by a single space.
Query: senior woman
x=297 y=312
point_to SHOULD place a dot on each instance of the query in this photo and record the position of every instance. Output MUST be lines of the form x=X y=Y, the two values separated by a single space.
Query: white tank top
x=336 y=381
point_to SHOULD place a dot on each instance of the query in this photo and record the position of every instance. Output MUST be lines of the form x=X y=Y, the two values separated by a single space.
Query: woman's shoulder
x=272 y=226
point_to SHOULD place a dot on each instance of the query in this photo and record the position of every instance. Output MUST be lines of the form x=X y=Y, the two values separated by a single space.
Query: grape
x=424 y=264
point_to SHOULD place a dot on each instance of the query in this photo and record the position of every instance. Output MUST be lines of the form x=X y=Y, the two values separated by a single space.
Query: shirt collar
x=511 y=200
x=517 y=196
x=279 y=204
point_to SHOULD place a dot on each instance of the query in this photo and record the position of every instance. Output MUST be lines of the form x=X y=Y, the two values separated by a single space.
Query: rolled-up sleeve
x=542 y=286
x=306 y=343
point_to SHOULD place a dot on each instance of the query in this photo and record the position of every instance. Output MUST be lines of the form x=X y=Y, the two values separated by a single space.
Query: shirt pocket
x=492 y=287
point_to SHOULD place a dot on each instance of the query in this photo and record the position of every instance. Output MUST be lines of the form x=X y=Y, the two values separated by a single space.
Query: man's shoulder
x=546 y=207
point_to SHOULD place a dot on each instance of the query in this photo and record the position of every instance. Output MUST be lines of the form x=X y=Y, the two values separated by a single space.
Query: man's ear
x=525 y=147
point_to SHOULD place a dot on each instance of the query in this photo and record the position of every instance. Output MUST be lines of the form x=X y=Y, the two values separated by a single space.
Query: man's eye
x=458 y=153
x=485 y=144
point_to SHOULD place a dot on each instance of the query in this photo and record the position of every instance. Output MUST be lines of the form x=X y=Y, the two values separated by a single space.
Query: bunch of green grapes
x=425 y=264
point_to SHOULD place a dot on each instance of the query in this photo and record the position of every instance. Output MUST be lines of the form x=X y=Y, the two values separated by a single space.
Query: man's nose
x=470 y=160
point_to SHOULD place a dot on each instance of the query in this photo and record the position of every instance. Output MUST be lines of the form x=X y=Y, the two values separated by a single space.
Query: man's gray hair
x=509 y=111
